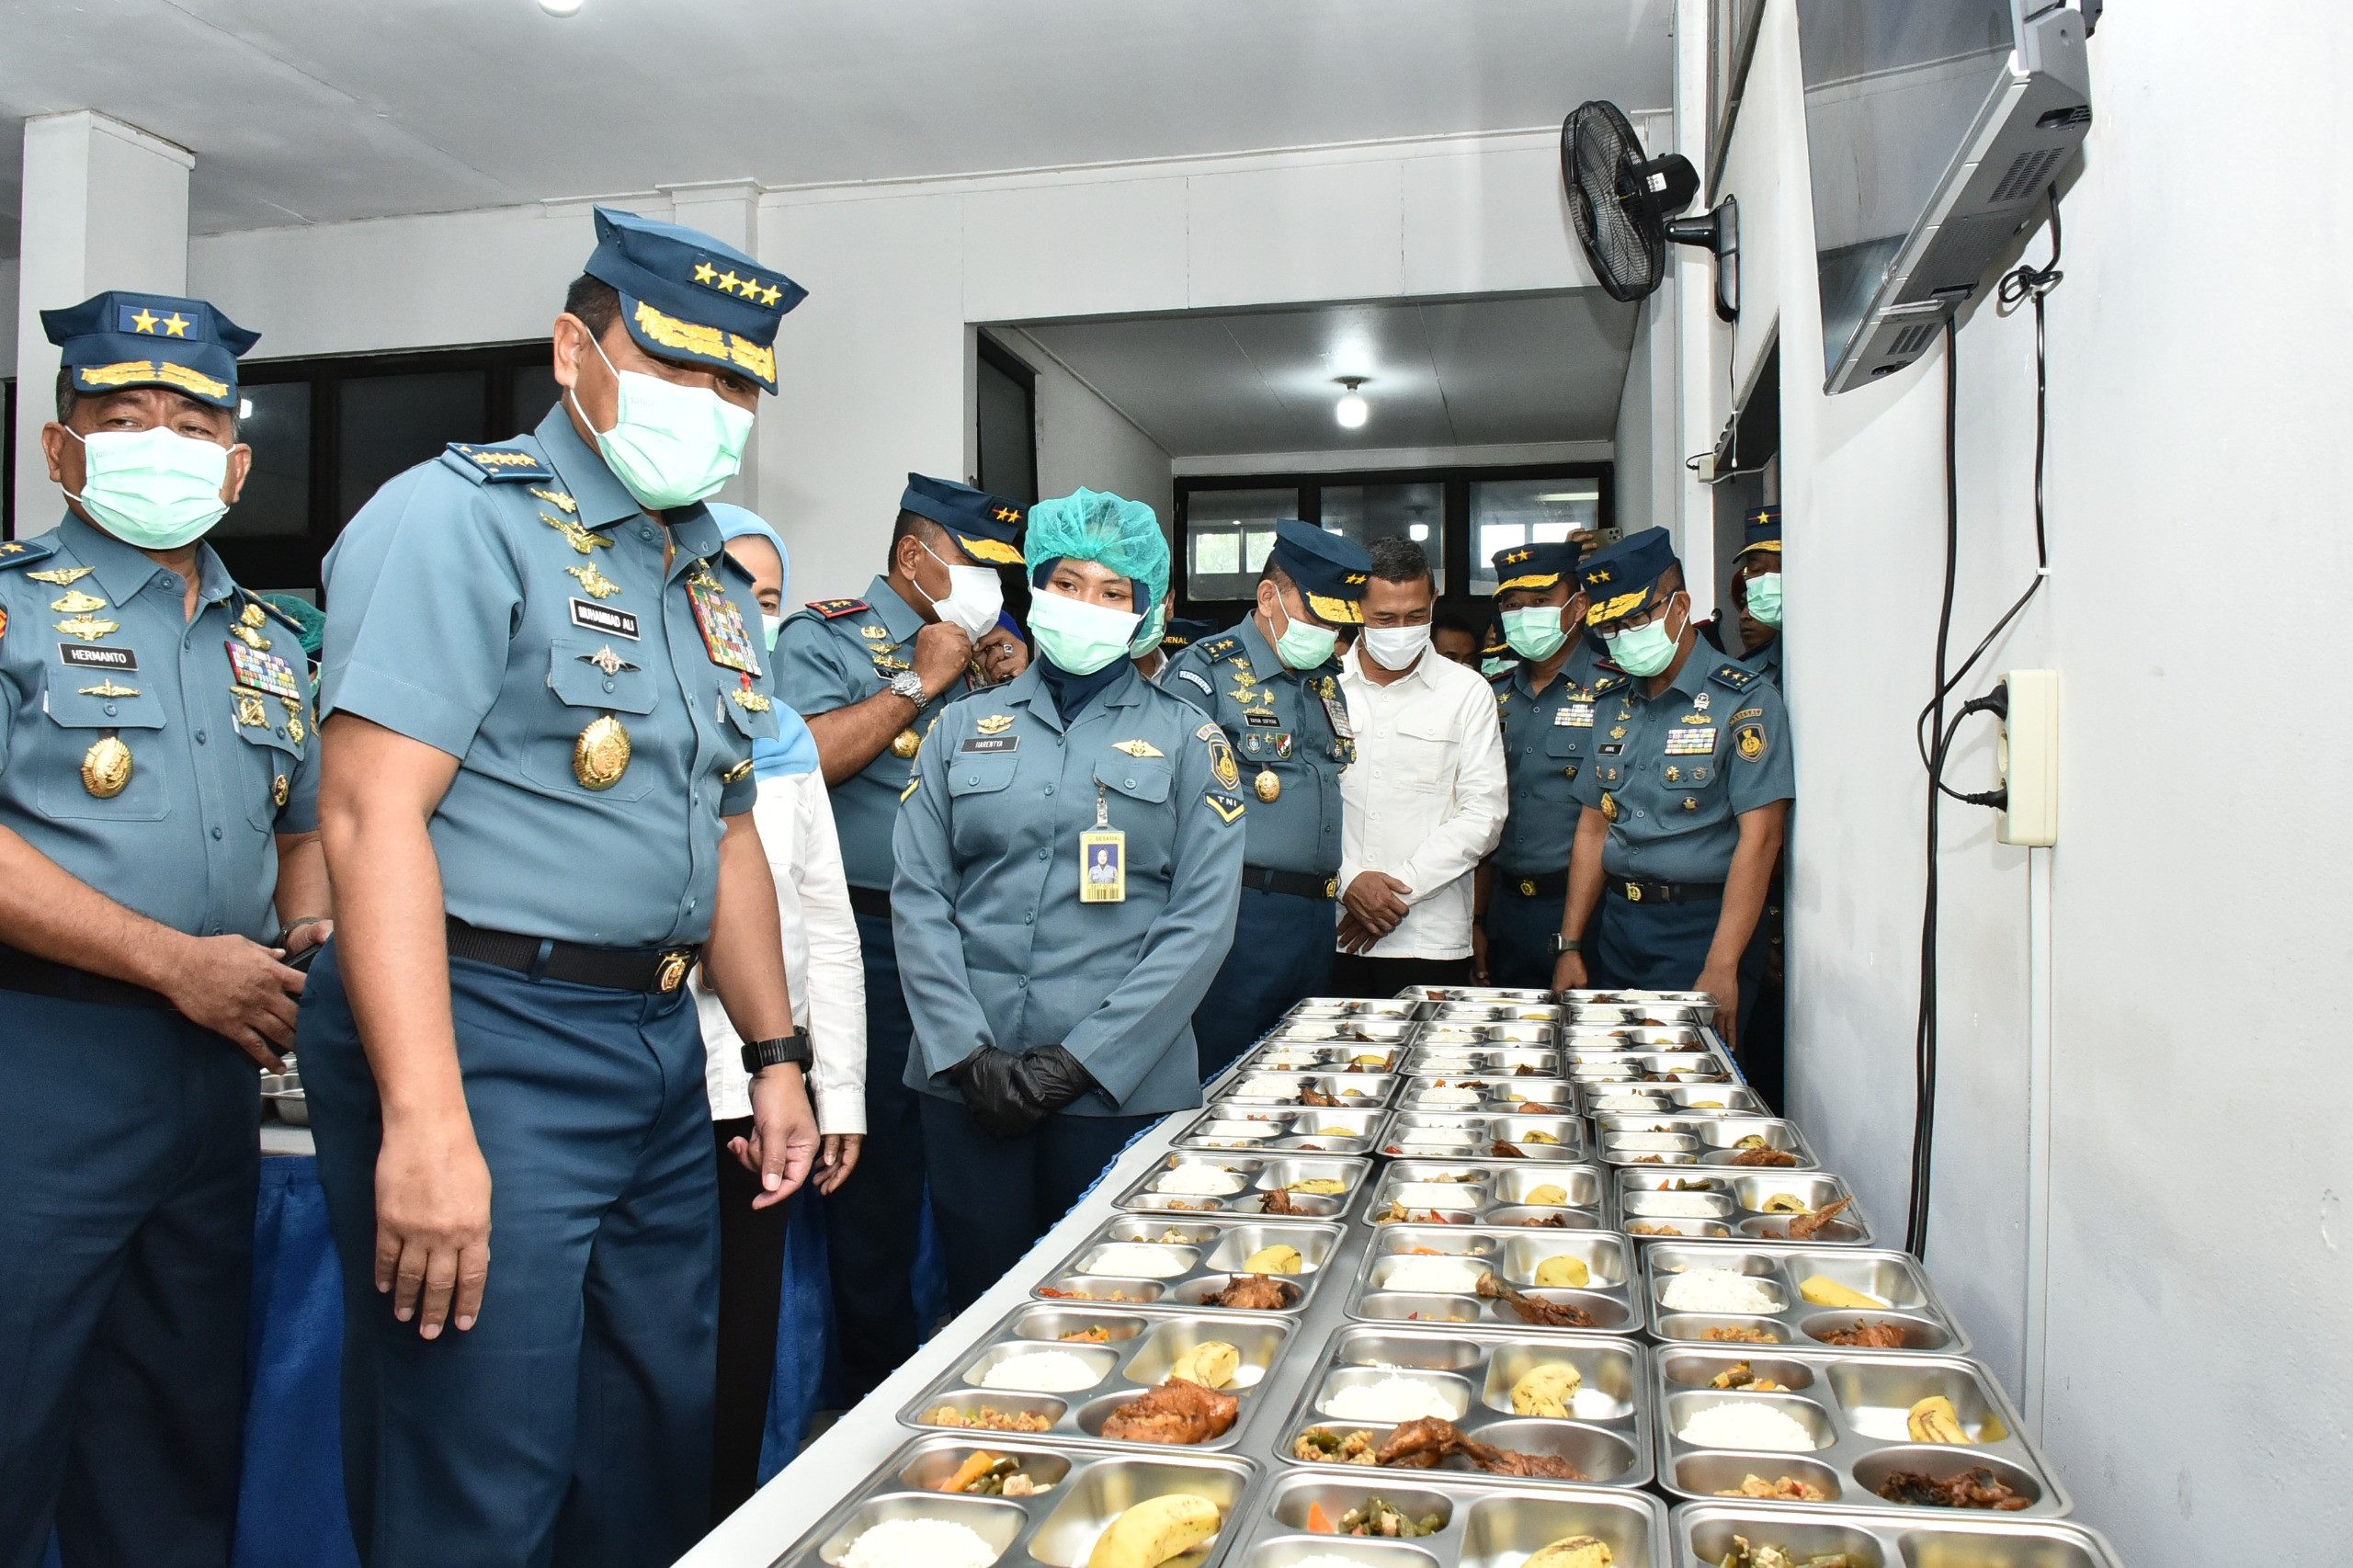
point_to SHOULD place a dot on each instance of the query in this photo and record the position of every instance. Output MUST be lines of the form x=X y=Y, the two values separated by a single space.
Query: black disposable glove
x=1010 y=1094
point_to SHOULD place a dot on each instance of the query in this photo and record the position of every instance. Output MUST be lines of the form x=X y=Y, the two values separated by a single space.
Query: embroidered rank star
x=1138 y=748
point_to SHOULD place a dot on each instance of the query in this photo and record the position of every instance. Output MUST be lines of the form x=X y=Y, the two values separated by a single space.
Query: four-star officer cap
x=1331 y=571
x=1764 y=526
x=986 y=527
x=686 y=296
x=1535 y=565
x=1621 y=577
x=121 y=339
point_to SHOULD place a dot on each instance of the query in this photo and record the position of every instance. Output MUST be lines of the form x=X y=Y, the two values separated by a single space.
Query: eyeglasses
x=1638 y=618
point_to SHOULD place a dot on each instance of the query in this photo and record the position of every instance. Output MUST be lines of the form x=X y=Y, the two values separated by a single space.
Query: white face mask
x=1395 y=647
x=975 y=596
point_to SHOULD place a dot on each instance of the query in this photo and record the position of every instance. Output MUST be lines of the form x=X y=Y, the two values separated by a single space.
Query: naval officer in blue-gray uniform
x=870 y=674
x=542 y=684
x=1067 y=860
x=1756 y=598
x=1544 y=704
x=1685 y=799
x=158 y=856
x=1272 y=685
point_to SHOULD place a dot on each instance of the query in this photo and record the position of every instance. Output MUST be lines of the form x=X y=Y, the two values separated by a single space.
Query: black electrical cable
x=2024 y=283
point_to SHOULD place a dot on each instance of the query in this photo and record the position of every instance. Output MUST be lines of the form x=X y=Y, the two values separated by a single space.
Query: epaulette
x=833 y=609
x=269 y=609
x=1609 y=681
x=495 y=465
x=1740 y=678
x=1505 y=675
x=1219 y=647
x=25 y=551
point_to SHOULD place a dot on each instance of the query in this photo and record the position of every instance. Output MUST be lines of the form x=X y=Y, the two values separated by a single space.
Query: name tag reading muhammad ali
x=84 y=656
x=599 y=618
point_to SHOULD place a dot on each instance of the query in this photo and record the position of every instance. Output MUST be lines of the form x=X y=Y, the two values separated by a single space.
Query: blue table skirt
x=291 y=1508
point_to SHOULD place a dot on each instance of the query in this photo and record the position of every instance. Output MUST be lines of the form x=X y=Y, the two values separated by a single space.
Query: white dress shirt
x=1424 y=800
x=821 y=961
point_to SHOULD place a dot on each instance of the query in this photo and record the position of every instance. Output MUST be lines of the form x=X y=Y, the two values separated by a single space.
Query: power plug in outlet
x=2029 y=757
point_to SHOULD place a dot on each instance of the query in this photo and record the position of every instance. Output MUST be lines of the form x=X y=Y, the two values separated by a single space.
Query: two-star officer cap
x=986 y=528
x=1331 y=571
x=1621 y=577
x=1535 y=565
x=121 y=339
x=1764 y=526
x=686 y=296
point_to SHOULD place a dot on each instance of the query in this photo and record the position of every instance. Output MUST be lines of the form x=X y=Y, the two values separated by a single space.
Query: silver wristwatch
x=909 y=685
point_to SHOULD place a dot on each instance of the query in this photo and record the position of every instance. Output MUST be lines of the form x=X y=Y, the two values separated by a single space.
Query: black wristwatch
x=1564 y=945
x=792 y=1050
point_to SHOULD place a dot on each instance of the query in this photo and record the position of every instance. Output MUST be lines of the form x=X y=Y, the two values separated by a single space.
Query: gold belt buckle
x=1634 y=893
x=671 y=972
x=1331 y=887
x=1527 y=889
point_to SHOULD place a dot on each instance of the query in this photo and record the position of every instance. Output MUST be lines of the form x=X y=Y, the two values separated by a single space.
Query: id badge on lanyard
x=1102 y=859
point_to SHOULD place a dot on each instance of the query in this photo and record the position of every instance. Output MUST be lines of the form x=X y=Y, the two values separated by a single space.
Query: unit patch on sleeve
x=1750 y=741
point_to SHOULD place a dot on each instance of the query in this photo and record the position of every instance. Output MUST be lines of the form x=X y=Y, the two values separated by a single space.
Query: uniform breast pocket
x=757 y=723
x=84 y=776
x=590 y=681
x=267 y=781
x=982 y=807
x=1565 y=749
x=1136 y=795
x=1693 y=783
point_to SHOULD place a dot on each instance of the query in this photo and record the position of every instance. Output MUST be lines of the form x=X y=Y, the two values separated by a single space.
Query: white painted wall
x=1648 y=465
x=1083 y=439
x=2196 y=1372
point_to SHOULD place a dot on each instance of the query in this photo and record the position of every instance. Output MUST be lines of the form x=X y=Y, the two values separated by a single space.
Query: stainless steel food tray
x=1353 y=1007
x=1257 y=1127
x=1491 y=1093
x=1354 y=1091
x=1895 y=1278
x=1735 y=1201
x=1582 y=1037
x=1512 y=1253
x=1964 y=1539
x=1487 y=1060
x=1475 y=1134
x=1281 y=1054
x=1260 y=1174
x=1605 y=1437
x=1473 y=993
x=1669 y=1099
x=1707 y=1139
x=1464 y=1034
x=1654 y=1067
x=1210 y=1259
x=1055 y=1529
x=1356 y=1029
x=1492 y=1010
x=1137 y=1358
x=1855 y=1407
x=1488 y=1525
x=1490 y=1192
x=1640 y=1006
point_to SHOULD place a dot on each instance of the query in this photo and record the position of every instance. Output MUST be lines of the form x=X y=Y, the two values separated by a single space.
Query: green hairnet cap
x=1093 y=525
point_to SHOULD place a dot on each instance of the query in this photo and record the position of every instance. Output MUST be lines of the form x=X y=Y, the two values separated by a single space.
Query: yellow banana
x=1156 y=1530
x=1934 y=1420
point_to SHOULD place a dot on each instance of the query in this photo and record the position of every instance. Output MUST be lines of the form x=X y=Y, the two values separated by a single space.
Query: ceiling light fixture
x=1352 y=409
x=1417 y=531
x=560 y=7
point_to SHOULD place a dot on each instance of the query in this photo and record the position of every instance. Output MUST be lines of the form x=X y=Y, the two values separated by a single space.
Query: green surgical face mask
x=1077 y=637
x=1764 y=597
x=152 y=489
x=670 y=444
x=1148 y=635
x=1646 y=649
x=1534 y=634
x=770 y=626
x=1303 y=646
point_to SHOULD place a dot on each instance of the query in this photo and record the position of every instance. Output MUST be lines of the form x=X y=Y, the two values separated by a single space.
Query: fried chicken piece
x=1867 y=1336
x=1537 y=1108
x=1742 y=1376
x=1805 y=1227
x=1525 y=1070
x=1975 y=1487
x=1765 y=1156
x=1177 y=1412
x=1554 y=1222
x=1535 y=1309
x=1422 y=1443
x=1503 y=1151
x=1251 y=1293
x=1279 y=1201
x=1310 y=1095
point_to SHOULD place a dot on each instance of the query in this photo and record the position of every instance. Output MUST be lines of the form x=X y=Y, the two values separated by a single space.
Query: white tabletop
x=757 y=1533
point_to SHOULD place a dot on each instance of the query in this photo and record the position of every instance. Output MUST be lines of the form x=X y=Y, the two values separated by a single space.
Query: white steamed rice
x=1391 y=1399
x=919 y=1543
x=1139 y=1261
x=1745 y=1426
x=1201 y=1181
x=1042 y=1371
x=1718 y=1290
x=1440 y=1274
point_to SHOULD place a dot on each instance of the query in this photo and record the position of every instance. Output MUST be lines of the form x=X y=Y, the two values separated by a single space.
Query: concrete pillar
x=729 y=211
x=105 y=207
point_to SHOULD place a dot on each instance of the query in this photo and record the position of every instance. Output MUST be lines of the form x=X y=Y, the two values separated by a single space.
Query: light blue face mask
x=1155 y=627
x=1645 y=649
x=1303 y=646
x=771 y=625
x=670 y=444
x=155 y=489
x=1764 y=598
x=1077 y=637
x=1534 y=634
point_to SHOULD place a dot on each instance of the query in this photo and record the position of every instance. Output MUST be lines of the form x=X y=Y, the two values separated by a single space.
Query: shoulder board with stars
x=1740 y=678
x=496 y=465
x=18 y=552
x=1219 y=647
x=271 y=610
x=833 y=609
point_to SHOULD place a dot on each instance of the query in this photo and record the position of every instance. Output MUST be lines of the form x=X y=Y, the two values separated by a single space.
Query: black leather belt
x=544 y=958
x=46 y=977
x=1635 y=891
x=870 y=901
x=1298 y=884
x=1542 y=884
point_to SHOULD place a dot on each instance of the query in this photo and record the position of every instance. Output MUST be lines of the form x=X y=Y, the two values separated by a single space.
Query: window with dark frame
x=1460 y=516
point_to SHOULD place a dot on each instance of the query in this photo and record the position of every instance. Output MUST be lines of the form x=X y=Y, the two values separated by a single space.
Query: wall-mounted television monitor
x=1933 y=128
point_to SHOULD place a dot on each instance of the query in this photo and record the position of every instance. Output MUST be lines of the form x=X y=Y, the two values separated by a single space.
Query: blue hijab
x=794 y=750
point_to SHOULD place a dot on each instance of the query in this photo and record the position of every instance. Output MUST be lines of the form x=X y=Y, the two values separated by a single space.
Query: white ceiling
x=1510 y=369
x=318 y=110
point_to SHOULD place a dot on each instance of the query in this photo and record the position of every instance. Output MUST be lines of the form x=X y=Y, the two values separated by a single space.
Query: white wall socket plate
x=2029 y=749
